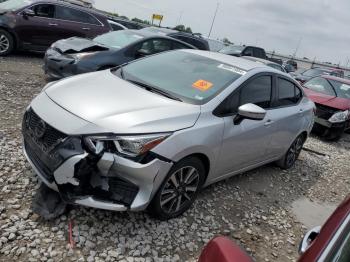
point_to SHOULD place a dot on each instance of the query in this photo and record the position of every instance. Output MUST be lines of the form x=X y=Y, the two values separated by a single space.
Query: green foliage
x=227 y=41
x=183 y=28
x=137 y=20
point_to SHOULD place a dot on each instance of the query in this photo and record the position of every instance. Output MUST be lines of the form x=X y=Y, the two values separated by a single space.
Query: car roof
x=159 y=30
x=338 y=79
x=260 y=60
x=70 y=4
x=242 y=63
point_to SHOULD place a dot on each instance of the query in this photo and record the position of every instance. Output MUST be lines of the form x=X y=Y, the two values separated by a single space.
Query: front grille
x=43 y=134
x=40 y=165
x=324 y=112
x=122 y=190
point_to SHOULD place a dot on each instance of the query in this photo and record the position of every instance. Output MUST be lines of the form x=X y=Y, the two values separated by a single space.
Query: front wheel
x=288 y=160
x=6 y=43
x=179 y=189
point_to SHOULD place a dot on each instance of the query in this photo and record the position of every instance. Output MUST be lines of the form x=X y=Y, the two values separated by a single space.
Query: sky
x=321 y=26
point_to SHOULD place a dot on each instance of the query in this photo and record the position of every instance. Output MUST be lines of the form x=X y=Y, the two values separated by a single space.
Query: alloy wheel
x=294 y=151
x=179 y=190
x=4 y=43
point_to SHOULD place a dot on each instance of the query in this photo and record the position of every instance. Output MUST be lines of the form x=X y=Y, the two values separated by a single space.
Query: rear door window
x=44 y=10
x=248 y=51
x=70 y=14
x=288 y=93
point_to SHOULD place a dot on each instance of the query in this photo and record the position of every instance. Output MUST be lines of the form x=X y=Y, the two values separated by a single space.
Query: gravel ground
x=254 y=209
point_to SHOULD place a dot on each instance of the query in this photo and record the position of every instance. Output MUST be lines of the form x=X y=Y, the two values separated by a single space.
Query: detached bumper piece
x=62 y=164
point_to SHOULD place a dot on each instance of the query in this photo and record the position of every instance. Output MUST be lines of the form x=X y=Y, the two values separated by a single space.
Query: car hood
x=327 y=100
x=76 y=44
x=119 y=106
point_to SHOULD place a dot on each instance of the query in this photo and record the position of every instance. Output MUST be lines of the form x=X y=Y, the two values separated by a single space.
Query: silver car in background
x=151 y=134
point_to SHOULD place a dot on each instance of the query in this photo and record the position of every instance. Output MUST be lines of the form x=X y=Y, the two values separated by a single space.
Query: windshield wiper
x=154 y=89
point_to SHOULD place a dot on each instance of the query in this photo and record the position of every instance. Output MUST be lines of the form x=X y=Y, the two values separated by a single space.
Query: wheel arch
x=13 y=34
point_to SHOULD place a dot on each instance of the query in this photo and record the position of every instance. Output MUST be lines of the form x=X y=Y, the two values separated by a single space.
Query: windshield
x=232 y=49
x=215 y=45
x=14 y=4
x=190 y=77
x=118 y=39
x=314 y=72
x=342 y=89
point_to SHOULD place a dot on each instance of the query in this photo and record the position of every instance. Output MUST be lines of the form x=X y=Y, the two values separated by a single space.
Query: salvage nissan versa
x=154 y=132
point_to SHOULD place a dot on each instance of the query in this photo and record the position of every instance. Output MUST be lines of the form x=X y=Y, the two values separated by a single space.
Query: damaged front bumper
x=107 y=181
x=57 y=65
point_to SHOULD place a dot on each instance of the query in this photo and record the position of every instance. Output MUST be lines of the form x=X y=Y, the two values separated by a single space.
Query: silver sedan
x=152 y=133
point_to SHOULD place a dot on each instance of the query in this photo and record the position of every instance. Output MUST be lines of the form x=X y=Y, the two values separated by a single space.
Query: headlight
x=80 y=56
x=131 y=146
x=339 y=117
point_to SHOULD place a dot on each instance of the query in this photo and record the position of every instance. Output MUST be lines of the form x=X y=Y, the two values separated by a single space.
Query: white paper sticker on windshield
x=232 y=69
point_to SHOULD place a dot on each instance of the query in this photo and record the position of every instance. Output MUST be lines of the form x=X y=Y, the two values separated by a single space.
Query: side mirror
x=308 y=239
x=142 y=53
x=249 y=111
x=28 y=12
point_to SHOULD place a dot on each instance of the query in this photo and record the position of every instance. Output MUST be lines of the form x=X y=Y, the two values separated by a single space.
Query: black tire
x=7 y=43
x=165 y=204
x=292 y=154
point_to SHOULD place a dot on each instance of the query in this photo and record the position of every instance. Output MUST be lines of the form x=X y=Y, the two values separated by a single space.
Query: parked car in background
x=34 y=24
x=192 y=39
x=75 y=55
x=266 y=62
x=297 y=72
x=329 y=243
x=215 y=45
x=152 y=133
x=253 y=51
x=317 y=71
x=332 y=98
x=292 y=63
x=240 y=50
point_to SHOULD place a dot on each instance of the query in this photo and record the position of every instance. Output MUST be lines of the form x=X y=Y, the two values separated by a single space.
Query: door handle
x=53 y=24
x=268 y=122
x=86 y=28
x=301 y=111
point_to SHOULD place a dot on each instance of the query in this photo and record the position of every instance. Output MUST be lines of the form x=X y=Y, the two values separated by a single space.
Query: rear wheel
x=288 y=160
x=6 y=43
x=179 y=189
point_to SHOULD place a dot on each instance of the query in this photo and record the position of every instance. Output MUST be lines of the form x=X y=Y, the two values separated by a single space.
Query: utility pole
x=212 y=24
x=180 y=17
x=296 y=50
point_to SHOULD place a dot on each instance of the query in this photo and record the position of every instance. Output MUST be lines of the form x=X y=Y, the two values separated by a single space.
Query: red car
x=329 y=243
x=332 y=98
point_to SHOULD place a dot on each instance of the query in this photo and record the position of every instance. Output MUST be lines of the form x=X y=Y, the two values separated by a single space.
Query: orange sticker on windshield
x=202 y=85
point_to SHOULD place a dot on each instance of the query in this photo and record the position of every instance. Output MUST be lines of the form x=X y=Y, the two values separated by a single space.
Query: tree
x=137 y=20
x=188 y=30
x=227 y=41
x=180 y=28
x=183 y=28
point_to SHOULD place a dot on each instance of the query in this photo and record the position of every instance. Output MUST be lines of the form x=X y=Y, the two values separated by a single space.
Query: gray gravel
x=254 y=208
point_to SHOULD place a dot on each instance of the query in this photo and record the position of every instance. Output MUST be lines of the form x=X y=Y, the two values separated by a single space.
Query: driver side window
x=257 y=91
